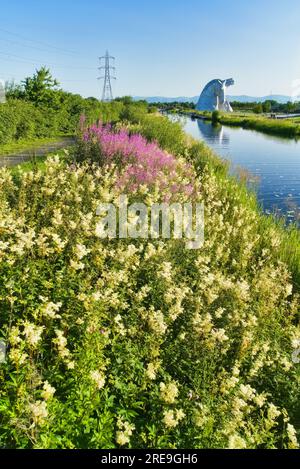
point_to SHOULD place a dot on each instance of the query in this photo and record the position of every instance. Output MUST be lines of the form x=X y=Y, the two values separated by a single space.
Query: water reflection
x=215 y=134
x=273 y=163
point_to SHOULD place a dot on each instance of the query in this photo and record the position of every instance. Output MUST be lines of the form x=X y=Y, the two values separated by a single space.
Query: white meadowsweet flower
x=156 y=322
x=124 y=433
x=17 y=357
x=98 y=378
x=292 y=435
x=172 y=418
x=51 y=309
x=33 y=333
x=236 y=442
x=273 y=412
x=48 y=391
x=168 y=392
x=77 y=265
x=247 y=392
x=81 y=251
x=39 y=412
x=14 y=335
x=219 y=335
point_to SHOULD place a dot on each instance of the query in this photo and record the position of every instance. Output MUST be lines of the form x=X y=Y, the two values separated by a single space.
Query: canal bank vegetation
x=249 y=118
x=141 y=343
x=289 y=128
x=38 y=109
x=284 y=128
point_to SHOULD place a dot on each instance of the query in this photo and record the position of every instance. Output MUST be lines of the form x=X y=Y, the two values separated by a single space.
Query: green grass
x=30 y=144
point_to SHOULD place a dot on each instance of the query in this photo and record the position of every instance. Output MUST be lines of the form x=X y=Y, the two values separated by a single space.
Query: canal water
x=272 y=164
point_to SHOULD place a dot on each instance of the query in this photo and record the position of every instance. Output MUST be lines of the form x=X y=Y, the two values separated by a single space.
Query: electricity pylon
x=107 y=67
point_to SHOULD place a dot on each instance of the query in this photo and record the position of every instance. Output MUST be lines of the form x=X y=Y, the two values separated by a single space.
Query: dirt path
x=20 y=157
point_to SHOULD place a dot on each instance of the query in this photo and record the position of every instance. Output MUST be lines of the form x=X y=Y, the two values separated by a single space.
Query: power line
x=25 y=45
x=35 y=62
x=38 y=42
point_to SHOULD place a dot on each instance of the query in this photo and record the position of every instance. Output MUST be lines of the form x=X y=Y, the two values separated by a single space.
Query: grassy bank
x=142 y=343
x=284 y=128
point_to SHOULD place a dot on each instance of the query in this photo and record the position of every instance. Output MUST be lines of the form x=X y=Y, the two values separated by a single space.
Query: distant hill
x=194 y=99
x=252 y=99
x=163 y=99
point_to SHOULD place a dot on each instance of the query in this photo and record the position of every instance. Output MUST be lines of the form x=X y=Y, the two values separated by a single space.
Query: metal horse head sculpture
x=213 y=96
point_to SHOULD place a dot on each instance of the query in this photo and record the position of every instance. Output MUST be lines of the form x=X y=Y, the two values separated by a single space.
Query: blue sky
x=162 y=47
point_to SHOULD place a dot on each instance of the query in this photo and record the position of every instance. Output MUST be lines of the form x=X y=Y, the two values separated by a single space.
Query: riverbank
x=286 y=128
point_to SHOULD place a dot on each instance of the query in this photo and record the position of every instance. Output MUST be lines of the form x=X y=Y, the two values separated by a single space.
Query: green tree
x=290 y=107
x=40 y=89
x=258 y=108
x=267 y=106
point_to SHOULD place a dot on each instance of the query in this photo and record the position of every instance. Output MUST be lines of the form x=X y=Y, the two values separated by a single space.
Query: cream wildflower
x=289 y=289
x=156 y=322
x=166 y=270
x=247 y=392
x=151 y=371
x=81 y=251
x=122 y=438
x=172 y=418
x=292 y=435
x=33 y=333
x=61 y=342
x=260 y=400
x=39 y=412
x=60 y=244
x=48 y=391
x=76 y=265
x=14 y=337
x=119 y=325
x=50 y=310
x=273 y=412
x=124 y=433
x=219 y=312
x=201 y=415
x=98 y=378
x=219 y=335
x=168 y=392
x=17 y=357
x=236 y=442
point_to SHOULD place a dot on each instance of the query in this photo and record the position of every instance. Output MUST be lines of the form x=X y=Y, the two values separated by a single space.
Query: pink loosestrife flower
x=143 y=163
